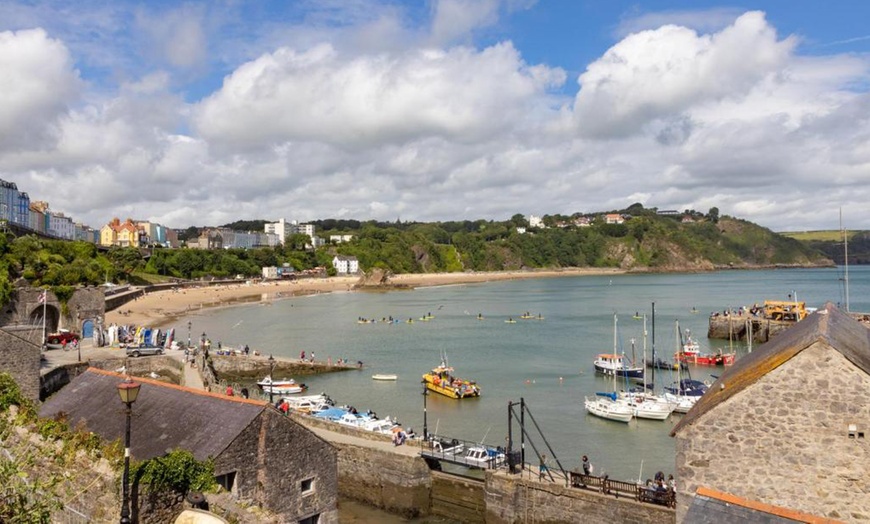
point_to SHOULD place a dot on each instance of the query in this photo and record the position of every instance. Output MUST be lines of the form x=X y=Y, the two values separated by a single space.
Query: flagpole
x=44 y=300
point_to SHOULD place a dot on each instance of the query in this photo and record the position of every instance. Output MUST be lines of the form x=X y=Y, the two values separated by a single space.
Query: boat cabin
x=785 y=310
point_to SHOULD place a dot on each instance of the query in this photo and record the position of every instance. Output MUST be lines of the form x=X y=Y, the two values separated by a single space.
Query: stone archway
x=52 y=317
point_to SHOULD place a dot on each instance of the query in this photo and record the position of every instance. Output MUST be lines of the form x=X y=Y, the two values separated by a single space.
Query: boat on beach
x=441 y=380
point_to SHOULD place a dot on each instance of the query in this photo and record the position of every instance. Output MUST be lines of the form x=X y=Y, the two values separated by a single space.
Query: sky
x=203 y=113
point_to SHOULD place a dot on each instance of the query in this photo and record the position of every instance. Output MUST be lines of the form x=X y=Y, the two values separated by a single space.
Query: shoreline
x=160 y=308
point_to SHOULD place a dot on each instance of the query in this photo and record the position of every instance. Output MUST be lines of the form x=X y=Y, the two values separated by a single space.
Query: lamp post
x=425 y=425
x=128 y=390
x=189 y=325
x=271 y=372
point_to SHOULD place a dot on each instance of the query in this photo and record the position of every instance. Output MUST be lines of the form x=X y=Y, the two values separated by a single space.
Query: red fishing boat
x=690 y=353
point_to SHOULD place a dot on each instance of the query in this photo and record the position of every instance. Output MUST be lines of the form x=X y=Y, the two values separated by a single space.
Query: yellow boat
x=441 y=380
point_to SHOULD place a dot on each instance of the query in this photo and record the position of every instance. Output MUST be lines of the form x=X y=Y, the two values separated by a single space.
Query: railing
x=626 y=489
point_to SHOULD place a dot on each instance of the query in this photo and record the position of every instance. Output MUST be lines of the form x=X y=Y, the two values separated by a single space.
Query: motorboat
x=441 y=380
x=291 y=389
x=613 y=364
x=267 y=381
x=690 y=353
x=485 y=457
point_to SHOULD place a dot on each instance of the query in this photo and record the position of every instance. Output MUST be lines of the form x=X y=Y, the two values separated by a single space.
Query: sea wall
x=397 y=483
x=512 y=499
x=398 y=480
x=739 y=327
x=19 y=357
x=233 y=368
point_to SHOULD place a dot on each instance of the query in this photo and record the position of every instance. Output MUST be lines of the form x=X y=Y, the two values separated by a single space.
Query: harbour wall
x=739 y=327
x=511 y=499
x=398 y=480
x=241 y=368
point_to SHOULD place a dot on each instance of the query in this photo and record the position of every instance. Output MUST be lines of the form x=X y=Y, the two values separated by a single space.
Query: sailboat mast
x=653 y=344
x=845 y=259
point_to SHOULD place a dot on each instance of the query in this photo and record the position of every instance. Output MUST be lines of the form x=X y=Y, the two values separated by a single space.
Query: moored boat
x=613 y=364
x=385 y=376
x=690 y=353
x=607 y=405
x=441 y=380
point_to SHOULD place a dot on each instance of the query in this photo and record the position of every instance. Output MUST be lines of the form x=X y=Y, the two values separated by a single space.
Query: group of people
x=659 y=483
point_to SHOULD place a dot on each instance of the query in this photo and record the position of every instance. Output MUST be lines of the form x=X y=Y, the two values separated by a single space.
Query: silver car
x=136 y=351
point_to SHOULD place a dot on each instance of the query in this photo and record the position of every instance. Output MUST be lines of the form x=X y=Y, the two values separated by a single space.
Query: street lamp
x=425 y=425
x=271 y=372
x=128 y=390
x=189 y=325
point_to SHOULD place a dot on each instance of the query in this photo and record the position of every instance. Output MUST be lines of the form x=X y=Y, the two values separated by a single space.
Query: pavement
x=87 y=351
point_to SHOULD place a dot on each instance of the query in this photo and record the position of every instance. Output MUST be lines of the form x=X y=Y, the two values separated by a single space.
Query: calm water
x=547 y=362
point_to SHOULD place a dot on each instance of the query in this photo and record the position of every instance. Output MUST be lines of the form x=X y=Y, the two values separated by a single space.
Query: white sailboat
x=609 y=405
x=682 y=402
x=646 y=404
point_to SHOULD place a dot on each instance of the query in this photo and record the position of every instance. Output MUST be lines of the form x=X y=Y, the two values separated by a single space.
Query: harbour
x=549 y=362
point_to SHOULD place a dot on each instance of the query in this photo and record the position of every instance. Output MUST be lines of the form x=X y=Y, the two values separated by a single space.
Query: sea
x=546 y=362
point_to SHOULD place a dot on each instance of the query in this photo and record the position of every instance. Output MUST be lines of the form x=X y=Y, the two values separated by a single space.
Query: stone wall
x=21 y=358
x=59 y=377
x=390 y=481
x=87 y=303
x=272 y=458
x=458 y=498
x=232 y=368
x=784 y=440
x=513 y=499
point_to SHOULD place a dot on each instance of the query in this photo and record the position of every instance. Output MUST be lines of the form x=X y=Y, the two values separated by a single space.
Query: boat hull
x=452 y=392
x=384 y=377
x=632 y=373
x=609 y=410
x=700 y=359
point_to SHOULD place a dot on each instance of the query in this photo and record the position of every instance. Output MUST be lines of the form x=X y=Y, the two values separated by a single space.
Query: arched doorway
x=88 y=328
x=52 y=317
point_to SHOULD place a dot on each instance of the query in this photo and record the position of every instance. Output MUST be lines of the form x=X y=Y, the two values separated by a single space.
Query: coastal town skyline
x=448 y=110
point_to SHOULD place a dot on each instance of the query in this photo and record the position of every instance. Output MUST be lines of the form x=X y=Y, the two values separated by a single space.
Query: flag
x=42 y=297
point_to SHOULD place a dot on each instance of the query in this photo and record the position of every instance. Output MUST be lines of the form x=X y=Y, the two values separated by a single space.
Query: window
x=227 y=481
x=313 y=519
x=307 y=486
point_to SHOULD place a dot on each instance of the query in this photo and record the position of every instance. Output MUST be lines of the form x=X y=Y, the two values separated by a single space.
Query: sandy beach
x=162 y=307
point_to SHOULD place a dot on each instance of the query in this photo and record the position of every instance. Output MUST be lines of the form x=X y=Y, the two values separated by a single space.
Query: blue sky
x=201 y=113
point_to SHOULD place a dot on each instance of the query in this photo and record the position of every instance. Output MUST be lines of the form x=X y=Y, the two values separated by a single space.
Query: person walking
x=543 y=467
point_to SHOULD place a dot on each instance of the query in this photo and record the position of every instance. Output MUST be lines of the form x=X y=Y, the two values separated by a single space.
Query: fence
x=619 y=488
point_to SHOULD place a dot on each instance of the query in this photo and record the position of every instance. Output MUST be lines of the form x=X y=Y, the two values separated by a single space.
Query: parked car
x=136 y=351
x=57 y=340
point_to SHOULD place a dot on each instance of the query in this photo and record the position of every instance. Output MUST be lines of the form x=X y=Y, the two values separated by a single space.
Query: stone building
x=787 y=425
x=20 y=357
x=259 y=454
x=83 y=313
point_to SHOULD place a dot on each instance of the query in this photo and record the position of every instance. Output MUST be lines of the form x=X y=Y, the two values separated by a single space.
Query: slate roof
x=828 y=325
x=714 y=507
x=165 y=416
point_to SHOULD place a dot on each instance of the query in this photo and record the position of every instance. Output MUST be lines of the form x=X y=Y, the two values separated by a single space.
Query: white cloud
x=37 y=83
x=461 y=94
x=659 y=73
x=348 y=114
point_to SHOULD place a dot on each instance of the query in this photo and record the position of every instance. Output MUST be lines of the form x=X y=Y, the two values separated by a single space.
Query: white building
x=61 y=226
x=270 y=272
x=536 y=221
x=345 y=265
x=338 y=239
x=281 y=229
